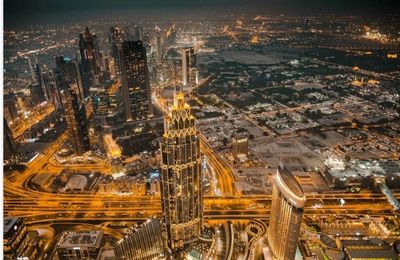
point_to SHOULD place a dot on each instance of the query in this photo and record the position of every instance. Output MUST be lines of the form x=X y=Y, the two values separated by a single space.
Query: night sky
x=24 y=12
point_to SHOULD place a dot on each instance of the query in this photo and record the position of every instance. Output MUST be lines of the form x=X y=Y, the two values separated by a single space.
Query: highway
x=112 y=207
x=39 y=113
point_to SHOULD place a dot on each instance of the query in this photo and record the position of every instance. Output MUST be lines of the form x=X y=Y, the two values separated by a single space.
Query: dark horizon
x=52 y=12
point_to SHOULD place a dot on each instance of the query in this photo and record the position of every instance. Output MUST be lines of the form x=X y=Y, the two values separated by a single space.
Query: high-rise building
x=135 y=81
x=188 y=66
x=138 y=31
x=52 y=90
x=31 y=68
x=37 y=94
x=78 y=125
x=143 y=243
x=10 y=109
x=39 y=79
x=159 y=46
x=286 y=215
x=90 y=58
x=10 y=147
x=181 y=176
x=67 y=72
x=116 y=39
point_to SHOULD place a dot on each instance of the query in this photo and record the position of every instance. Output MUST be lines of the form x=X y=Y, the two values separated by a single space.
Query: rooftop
x=9 y=222
x=289 y=187
x=81 y=238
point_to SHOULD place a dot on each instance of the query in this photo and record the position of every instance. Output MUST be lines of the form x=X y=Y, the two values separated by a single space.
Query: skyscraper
x=159 y=46
x=188 y=66
x=286 y=215
x=37 y=94
x=10 y=147
x=39 y=79
x=181 y=176
x=116 y=39
x=67 y=72
x=9 y=108
x=78 y=125
x=52 y=91
x=143 y=243
x=135 y=81
x=90 y=55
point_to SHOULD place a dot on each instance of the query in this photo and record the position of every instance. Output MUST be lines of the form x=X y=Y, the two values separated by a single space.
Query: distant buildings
x=143 y=243
x=78 y=125
x=181 y=176
x=189 y=72
x=286 y=215
x=79 y=245
x=135 y=81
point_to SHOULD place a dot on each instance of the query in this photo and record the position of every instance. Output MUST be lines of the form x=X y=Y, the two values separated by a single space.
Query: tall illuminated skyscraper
x=286 y=215
x=78 y=125
x=188 y=66
x=181 y=176
x=90 y=58
x=116 y=39
x=135 y=81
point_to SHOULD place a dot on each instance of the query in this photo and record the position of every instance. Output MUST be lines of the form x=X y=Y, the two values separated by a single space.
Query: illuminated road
x=224 y=174
x=112 y=207
x=39 y=113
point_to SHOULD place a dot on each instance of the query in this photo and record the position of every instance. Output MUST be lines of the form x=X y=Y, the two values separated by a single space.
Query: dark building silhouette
x=142 y=243
x=90 y=59
x=10 y=109
x=37 y=94
x=116 y=39
x=67 y=72
x=135 y=81
x=188 y=66
x=78 y=124
x=10 y=148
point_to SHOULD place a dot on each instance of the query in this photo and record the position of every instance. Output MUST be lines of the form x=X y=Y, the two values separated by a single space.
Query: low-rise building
x=84 y=245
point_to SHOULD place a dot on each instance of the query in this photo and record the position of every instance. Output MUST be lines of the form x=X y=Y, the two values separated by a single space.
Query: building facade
x=189 y=71
x=143 y=243
x=240 y=143
x=135 y=81
x=181 y=176
x=78 y=125
x=116 y=38
x=10 y=147
x=286 y=215
x=90 y=60
x=18 y=242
